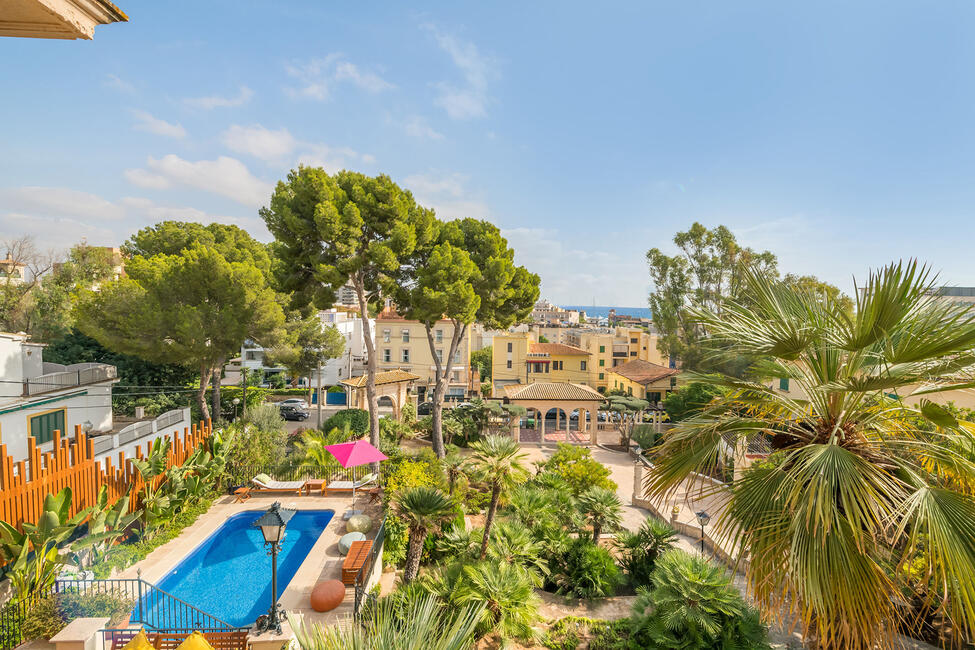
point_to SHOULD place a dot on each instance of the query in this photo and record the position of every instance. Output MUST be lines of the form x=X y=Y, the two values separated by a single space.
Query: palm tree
x=453 y=466
x=508 y=596
x=638 y=552
x=602 y=509
x=499 y=461
x=512 y=543
x=867 y=473
x=422 y=508
x=313 y=453
x=424 y=624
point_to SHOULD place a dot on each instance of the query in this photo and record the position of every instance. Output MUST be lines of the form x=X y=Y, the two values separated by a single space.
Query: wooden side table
x=242 y=494
x=314 y=484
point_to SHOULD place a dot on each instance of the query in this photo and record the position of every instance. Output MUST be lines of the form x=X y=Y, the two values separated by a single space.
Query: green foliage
x=305 y=344
x=357 y=421
x=193 y=308
x=43 y=620
x=638 y=551
x=482 y=360
x=336 y=389
x=107 y=523
x=498 y=461
x=51 y=614
x=265 y=417
x=693 y=606
x=578 y=469
x=645 y=436
x=253 y=450
x=507 y=593
x=571 y=632
x=689 y=399
x=312 y=452
x=419 y=470
x=542 y=338
x=421 y=508
x=175 y=237
x=584 y=570
x=601 y=509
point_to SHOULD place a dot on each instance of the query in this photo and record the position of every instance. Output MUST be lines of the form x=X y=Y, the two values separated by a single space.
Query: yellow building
x=612 y=347
x=643 y=379
x=518 y=358
x=402 y=344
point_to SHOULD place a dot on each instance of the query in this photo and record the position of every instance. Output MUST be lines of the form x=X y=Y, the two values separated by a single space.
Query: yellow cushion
x=195 y=641
x=138 y=642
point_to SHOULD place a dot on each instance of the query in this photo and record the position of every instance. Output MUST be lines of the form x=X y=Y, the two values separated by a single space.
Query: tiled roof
x=553 y=391
x=555 y=348
x=385 y=377
x=643 y=372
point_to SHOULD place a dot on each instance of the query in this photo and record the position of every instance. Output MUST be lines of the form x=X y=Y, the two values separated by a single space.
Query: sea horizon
x=602 y=311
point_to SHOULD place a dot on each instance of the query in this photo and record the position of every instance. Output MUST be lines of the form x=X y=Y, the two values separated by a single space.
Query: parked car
x=294 y=413
x=294 y=401
x=424 y=408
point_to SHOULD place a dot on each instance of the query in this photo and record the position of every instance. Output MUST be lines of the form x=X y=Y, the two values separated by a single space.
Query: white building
x=545 y=312
x=37 y=398
x=352 y=363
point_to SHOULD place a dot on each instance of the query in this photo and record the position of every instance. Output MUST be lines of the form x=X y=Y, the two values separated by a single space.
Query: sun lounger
x=267 y=484
x=350 y=486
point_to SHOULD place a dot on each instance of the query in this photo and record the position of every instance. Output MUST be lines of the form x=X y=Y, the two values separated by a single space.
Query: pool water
x=229 y=574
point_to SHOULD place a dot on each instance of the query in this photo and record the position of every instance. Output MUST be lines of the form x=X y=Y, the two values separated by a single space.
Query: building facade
x=38 y=398
x=546 y=312
x=644 y=380
x=402 y=344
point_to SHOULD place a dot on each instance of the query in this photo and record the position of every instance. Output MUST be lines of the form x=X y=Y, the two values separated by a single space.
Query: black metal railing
x=362 y=578
x=152 y=607
x=12 y=617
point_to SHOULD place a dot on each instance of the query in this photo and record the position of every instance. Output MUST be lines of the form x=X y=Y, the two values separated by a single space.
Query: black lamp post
x=272 y=524
x=704 y=519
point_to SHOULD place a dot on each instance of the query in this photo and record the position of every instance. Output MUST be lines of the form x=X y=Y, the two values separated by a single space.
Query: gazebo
x=393 y=385
x=571 y=402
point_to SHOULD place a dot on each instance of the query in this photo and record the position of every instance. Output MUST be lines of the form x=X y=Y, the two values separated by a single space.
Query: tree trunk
x=597 y=530
x=373 y=402
x=413 y=552
x=217 y=407
x=444 y=368
x=243 y=390
x=489 y=520
x=201 y=393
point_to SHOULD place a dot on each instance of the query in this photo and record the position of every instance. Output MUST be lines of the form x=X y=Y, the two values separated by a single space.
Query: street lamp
x=272 y=524
x=236 y=401
x=704 y=519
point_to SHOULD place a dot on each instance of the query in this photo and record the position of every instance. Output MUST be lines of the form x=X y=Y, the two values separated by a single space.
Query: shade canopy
x=353 y=454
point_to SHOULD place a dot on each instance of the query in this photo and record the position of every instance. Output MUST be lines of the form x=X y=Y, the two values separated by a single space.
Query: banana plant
x=106 y=525
x=154 y=500
x=33 y=554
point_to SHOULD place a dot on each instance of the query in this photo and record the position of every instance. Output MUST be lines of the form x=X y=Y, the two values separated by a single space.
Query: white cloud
x=447 y=195
x=224 y=176
x=217 y=101
x=117 y=83
x=315 y=78
x=418 y=127
x=59 y=217
x=470 y=99
x=150 y=124
x=259 y=141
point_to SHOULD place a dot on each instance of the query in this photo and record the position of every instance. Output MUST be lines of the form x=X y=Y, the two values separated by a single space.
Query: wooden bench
x=356 y=558
x=219 y=639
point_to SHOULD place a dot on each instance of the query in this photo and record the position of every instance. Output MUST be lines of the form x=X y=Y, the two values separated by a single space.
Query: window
x=673 y=382
x=602 y=375
x=386 y=335
x=653 y=397
x=509 y=346
x=456 y=376
x=251 y=355
x=509 y=364
x=406 y=335
x=406 y=355
x=340 y=372
x=602 y=348
x=602 y=363
x=582 y=365
x=438 y=336
x=556 y=365
x=632 y=340
x=439 y=354
x=457 y=356
x=387 y=355
x=42 y=425
x=530 y=367
x=633 y=353
x=629 y=390
x=784 y=384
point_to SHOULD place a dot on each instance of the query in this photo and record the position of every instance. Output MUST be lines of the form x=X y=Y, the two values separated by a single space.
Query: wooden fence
x=25 y=483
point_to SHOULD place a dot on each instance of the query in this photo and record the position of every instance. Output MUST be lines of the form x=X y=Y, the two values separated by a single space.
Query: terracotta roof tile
x=643 y=372
x=553 y=391
x=385 y=377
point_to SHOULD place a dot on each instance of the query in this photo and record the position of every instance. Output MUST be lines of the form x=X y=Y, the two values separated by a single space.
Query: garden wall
x=25 y=483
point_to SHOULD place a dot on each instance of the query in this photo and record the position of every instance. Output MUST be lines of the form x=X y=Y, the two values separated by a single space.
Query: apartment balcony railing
x=79 y=374
x=138 y=430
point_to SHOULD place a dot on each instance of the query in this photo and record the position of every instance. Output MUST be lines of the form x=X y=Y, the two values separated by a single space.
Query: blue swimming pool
x=229 y=574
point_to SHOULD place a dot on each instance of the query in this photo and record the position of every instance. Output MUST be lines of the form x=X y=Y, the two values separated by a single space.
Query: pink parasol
x=353 y=454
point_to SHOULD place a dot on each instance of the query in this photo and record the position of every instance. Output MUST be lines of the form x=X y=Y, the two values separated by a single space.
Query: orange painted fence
x=25 y=483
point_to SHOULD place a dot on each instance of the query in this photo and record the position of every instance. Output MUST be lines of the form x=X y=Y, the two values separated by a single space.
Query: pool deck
x=323 y=561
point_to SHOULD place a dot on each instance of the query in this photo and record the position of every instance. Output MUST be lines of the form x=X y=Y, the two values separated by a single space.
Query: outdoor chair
x=350 y=486
x=267 y=484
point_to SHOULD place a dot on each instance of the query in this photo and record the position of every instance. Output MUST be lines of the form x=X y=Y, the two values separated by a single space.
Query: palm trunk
x=201 y=393
x=597 y=530
x=489 y=520
x=413 y=552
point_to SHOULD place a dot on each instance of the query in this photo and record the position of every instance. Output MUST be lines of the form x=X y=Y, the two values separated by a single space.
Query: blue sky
x=838 y=135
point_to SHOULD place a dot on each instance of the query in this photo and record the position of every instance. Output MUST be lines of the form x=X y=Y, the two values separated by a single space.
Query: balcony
x=58 y=377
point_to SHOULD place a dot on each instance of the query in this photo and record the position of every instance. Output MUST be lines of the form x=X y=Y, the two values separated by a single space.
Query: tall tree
x=192 y=308
x=871 y=484
x=499 y=462
x=346 y=227
x=466 y=274
x=306 y=344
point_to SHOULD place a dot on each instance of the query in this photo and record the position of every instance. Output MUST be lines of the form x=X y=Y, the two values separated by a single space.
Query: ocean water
x=229 y=574
x=603 y=311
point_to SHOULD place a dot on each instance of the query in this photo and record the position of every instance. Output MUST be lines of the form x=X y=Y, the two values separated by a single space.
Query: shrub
x=638 y=552
x=43 y=620
x=576 y=466
x=253 y=450
x=689 y=399
x=571 y=632
x=265 y=417
x=584 y=570
x=645 y=436
x=51 y=614
x=335 y=389
x=694 y=606
x=356 y=419
x=422 y=469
